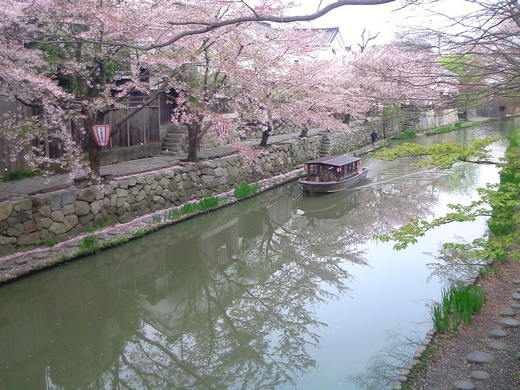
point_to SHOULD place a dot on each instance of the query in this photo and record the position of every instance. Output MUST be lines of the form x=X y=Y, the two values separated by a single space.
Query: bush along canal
x=278 y=291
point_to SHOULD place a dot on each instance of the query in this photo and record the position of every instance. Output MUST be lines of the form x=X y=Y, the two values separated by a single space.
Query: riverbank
x=21 y=264
x=484 y=353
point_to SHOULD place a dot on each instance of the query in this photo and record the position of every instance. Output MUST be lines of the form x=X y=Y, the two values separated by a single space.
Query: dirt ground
x=449 y=362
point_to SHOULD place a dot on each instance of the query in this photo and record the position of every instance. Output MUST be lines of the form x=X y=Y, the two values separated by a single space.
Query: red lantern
x=338 y=170
x=306 y=166
x=101 y=134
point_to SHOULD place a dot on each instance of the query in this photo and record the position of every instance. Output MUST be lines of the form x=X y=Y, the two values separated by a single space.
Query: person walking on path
x=373 y=136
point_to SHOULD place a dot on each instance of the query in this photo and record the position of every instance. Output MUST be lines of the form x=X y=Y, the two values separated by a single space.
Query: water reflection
x=224 y=301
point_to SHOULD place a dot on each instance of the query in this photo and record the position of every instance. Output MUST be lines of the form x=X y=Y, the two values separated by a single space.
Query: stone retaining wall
x=28 y=222
x=437 y=118
x=32 y=221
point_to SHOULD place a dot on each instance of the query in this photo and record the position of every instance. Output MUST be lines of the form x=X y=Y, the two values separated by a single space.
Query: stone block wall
x=437 y=118
x=127 y=153
x=28 y=222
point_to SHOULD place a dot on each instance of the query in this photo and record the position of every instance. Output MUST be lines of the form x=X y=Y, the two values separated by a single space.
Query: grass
x=503 y=224
x=487 y=269
x=456 y=307
x=246 y=190
x=49 y=242
x=405 y=134
x=189 y=208
x=208 y=203
x=456 y=126
x=98 y=226
x=21 y=174
x=426 y=357
x=89 y=243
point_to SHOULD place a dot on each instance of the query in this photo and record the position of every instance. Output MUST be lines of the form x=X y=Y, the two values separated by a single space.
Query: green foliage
x=456 y=126
x=99 y=225
x=488 y=268
x=49 y=242
x=405 y=134
x=442 y=155
x=208 y=203
x=104 y=224
x=188 y=208
x=499 y=202
x=458 y=64
x=425 y=357
x=139 y=234
x=21 y=174
x=246 y=190
x=88 y=243
x=456 y=307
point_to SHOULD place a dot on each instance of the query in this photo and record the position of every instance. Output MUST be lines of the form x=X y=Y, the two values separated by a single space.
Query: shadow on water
x=230 y=300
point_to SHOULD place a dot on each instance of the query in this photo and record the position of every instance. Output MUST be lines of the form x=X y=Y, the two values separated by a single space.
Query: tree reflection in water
x=384 y=367
x=225 y=301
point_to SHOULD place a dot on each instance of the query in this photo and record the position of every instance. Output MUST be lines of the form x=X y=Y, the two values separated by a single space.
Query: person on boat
x=373 y=136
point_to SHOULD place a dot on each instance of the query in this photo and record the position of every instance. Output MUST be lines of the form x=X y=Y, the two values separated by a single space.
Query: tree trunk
x=94 y=151
x=304 y=132
x=193 y=142
x=94 y=155
x=265 y=135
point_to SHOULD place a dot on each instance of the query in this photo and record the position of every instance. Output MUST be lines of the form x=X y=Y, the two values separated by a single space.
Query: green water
x=278 y=292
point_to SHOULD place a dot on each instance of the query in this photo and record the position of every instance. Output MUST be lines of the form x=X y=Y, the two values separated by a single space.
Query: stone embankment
x=21 y=263
x=30 y=221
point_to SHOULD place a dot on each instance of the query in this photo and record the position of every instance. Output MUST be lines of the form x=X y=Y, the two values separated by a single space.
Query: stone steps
x=173 y=142
x=325 y=146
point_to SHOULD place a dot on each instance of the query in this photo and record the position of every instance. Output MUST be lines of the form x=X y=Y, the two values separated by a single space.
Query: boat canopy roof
x=335 y=161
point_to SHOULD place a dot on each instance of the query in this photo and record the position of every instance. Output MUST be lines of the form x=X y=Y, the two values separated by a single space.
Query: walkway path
x=484 y=354
x=42 y=184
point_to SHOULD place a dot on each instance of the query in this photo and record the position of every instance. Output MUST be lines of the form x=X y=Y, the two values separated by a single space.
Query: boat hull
x=332 y=186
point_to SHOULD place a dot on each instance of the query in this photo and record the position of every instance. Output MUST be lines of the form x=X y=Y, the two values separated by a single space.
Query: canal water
x=281 y=291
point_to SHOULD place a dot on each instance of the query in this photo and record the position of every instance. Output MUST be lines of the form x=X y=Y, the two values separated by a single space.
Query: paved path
x=41 y=184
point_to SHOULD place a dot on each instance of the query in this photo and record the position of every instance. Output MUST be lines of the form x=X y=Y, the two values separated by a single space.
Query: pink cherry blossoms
x=70 y=63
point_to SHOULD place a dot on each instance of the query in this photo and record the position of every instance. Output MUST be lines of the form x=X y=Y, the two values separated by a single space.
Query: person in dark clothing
x=373 y=136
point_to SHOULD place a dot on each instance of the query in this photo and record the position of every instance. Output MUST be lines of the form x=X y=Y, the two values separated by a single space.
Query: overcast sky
x=384 y=18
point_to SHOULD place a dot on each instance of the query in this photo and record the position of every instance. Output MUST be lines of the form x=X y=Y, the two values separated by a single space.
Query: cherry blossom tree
x=61 y=59
x=481 y=46
x=70 y=63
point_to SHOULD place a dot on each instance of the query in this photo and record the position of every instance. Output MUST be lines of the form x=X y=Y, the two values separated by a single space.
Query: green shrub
x=89 y=242
x=456 y=307
x=208 y=203
x=406 y=134
x=99 y=225
x=172 y=214
x=103 y=224
x=20 y=174
x=189 y=208
x=49 y=242
x=246 y=190
x=501 y=227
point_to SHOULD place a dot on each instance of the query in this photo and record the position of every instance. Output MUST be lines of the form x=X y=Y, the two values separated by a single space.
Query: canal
x=280 y=291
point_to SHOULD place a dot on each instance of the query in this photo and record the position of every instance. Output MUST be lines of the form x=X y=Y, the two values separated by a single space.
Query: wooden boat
x=332 y=174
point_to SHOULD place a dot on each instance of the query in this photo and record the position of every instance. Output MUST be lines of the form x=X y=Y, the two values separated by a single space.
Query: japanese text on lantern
x=101 y=134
